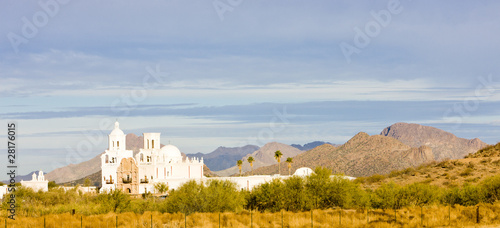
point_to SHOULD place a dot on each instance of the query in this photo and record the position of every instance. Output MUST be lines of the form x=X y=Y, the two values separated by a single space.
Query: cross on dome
x=117 y=130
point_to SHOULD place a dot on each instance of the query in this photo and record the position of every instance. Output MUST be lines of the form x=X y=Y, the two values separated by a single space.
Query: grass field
x=432 y=216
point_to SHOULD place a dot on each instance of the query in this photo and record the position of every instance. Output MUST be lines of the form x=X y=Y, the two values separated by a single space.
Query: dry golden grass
x=432 y=216
x=448 y=173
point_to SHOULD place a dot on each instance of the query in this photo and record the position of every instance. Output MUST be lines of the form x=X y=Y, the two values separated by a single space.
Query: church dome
x=170 y=151
x=117 y=130
x=304 y=171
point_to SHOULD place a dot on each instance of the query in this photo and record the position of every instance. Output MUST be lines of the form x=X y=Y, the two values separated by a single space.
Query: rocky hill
x=94 y=178
x=362 y=155
x=75 y=171
x=489 y=151
x=443 y=144
x=263 y=157
x=448 y=173
x=224 y=157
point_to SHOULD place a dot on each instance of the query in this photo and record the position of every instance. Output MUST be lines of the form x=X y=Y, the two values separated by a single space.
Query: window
x=118 y=144
x=142 y=157
x=153 y=143
x=148 y=145
x=107 y=158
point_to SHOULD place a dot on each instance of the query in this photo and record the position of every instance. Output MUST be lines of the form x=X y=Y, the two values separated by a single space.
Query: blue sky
x=230 y=73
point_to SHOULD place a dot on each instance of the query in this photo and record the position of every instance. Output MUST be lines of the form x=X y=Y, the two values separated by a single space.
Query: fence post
x=449 y=215
x=340 y=217
x=43 y=222
x=421 y=216
x=367 y=218
x=151 y=220
x=395 y=216
x=477 y=215
x=116 y=219
x=251 y=218
x=185 y=220
x=312 y=222
x=81 y=221
x=281 y=218
x=219 y=219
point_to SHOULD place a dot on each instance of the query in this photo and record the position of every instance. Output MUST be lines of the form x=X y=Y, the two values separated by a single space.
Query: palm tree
x=278 y=155
x=87 y=184
x=250 y=160
x=289 y=161
x=239 y=162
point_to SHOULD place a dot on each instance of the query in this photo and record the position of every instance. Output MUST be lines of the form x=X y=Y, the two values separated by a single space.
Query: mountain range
x=224 y=157
x=399 y=145
x=362 y=155
x=310 y=145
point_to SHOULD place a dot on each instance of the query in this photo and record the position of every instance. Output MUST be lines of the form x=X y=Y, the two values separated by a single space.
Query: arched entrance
x=128 y=190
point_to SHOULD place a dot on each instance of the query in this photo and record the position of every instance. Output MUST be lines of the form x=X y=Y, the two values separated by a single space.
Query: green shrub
x=466 y=172
x=375 y=178
x=491 y=187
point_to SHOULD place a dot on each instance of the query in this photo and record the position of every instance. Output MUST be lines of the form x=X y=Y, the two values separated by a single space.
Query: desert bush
x=316 y=185
x=375 y=178
x=445 y=163
x=268 y=196
x=212 y=196
x=467 y=195
x=467 y=172
x=491 y=187
x=395 y=173
x=342 y=193
x=115 y=201
x=296 y=198
x=386 y=197
x=418 y=194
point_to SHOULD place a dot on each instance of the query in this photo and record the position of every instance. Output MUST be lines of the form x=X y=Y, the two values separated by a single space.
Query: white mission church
x=137 y=175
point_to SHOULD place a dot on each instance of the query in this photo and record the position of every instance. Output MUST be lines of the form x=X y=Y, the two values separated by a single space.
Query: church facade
x=153 y=164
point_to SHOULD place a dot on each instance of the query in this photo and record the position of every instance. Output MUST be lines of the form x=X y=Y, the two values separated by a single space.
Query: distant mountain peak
x=444 y=144
x=362 y=155
x=309 y=146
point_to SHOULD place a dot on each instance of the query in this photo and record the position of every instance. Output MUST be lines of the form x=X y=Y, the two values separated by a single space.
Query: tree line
x=319 y=190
